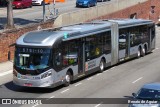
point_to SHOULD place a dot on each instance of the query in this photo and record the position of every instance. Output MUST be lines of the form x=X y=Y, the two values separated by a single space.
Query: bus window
x=122 y=41
x=70 y=52
x=98 y=44
x=123 y=38
x=138 y=35
x=57 y=57
x=90 y=47
x=107 y=42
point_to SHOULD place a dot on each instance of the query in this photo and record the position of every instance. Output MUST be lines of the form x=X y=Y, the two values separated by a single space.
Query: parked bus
x=51 y=57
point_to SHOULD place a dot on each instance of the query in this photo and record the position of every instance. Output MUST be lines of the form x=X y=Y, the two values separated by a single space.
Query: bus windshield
x=32 y=59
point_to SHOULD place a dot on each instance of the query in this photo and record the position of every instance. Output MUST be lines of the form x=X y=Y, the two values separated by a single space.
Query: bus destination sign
x=33 y=50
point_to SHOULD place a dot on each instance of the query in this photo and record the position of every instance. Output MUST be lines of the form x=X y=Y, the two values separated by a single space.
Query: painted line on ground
x=65 y=91
x=50 y=97
x=98 y=105
x=90 y=78
x=6 y=73
x=137 y=80
x=155 y=49
x=98 y=74
x=106 y=70
x=78 y=84
x=112 y=67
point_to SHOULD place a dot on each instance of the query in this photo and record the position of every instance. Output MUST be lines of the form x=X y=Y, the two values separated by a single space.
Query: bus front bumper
x=45 y=82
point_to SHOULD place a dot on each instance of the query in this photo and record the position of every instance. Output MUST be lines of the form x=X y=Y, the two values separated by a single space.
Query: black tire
x=22 y=7
x=101 y=66
x=77 y=6
x=31 y=6
x=68 y=79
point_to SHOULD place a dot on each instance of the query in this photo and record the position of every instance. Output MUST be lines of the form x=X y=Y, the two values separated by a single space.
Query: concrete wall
x=94 y=12
x=142 y=10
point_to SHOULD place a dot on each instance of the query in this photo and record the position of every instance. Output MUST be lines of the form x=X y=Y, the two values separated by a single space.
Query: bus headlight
x=46 y=74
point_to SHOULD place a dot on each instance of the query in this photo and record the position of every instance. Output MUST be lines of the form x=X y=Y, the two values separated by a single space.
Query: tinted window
x=96 y=45
x=70 y=52
x=138 y=35
x=123 y=34
x=65 y=54
x=32 y=58
x=148 y=94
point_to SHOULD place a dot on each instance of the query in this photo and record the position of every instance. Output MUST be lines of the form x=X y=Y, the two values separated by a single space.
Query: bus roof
x=48 y=37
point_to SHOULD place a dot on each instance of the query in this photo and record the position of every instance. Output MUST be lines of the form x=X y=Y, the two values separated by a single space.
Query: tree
x=10 y=21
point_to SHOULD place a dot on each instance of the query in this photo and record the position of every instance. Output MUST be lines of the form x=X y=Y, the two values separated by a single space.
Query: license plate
x=28 y=84
x=80 y=3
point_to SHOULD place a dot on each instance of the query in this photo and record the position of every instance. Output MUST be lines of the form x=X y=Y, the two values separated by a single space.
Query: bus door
x=152 y=37
x=81 y=57
x=127 y=46
x=124 y=44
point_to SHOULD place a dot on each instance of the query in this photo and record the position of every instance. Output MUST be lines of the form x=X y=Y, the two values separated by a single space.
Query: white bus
x=51 y=57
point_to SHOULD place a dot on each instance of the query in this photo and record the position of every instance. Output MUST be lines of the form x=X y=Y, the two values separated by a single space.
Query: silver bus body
x=119 y=41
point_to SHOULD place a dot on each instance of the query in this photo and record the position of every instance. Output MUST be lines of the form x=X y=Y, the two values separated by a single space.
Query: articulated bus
x=52 y=57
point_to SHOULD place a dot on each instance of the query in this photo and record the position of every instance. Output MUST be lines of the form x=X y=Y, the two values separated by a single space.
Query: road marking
x=50 y=97
x=35 y=105
x=89 y=78
x=106 y=70
x=137 y=80
x=112 y=67
x=98 y=105
x=6 y=73
x=155 y=49
x=98 y=74
x=78 y=84
x=65 y=91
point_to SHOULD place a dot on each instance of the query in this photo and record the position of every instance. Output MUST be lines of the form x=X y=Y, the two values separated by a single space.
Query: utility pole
x=10 y=21
x=44 y=11
x=54 y=7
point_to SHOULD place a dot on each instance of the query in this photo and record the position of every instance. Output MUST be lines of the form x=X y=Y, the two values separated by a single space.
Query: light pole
x=54 y=6
x=44 y=12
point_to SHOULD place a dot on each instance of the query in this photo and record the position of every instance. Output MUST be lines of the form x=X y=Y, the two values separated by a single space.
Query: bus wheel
x=144 y=50
x=101 y=65
x=139 y=53
x=67 y=79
